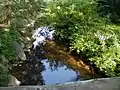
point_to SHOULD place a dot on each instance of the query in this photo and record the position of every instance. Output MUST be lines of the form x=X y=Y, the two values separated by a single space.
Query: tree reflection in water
x=54 y=65
x=57 y=72
x=29 y=72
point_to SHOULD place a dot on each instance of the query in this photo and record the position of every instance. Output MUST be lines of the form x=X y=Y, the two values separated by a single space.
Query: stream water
x=46 y=72
x=56 y=66
x=50 y=64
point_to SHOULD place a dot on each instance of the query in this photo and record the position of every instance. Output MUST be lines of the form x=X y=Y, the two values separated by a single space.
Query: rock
x=23 y=45
x=94 y=84
x=14 y=81
x=19 y=51
x=3 y=62
x=3 y=59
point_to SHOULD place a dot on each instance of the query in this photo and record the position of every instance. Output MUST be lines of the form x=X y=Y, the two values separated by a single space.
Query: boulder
x=14 y=81
x=3 y=59
x=3 y=62
x=19 y=50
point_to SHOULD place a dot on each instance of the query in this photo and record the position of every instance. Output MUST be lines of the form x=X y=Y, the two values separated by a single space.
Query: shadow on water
x=54 y=66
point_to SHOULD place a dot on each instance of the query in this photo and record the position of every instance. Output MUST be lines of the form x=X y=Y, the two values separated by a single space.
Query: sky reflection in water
x=59 y=75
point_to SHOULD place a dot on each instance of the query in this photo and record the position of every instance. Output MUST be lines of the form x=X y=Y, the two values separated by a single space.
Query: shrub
x=102 y=47
x=7 y=37
x=4 y=77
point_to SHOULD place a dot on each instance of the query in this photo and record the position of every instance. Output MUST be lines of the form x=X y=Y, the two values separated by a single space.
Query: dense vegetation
x=89 y=27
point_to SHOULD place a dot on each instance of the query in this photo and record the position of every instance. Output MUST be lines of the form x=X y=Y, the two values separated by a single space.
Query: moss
x=7 y=37
x=4 y=76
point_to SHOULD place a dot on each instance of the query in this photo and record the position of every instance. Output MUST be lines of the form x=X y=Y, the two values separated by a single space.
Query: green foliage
x=4 y=76
x=102 y=47
x=78 y=25
x=26 y=11
x=7 y=37
x=23 y=12
x=66 y=16
x=4 y=73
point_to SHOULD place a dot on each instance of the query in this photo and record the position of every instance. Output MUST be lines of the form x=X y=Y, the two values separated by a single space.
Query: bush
x=79 y=26
x=4 y=77
x=7 y=37
x=102 y=47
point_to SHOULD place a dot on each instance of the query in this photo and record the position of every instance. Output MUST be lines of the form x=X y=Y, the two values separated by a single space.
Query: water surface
x=58 y=74
x=56 y=65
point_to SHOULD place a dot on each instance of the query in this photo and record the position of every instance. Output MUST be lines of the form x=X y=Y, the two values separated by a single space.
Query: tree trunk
x=8 y=16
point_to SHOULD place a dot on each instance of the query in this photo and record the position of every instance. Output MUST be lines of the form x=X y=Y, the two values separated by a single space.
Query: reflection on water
x=57 y=53
x=59 y=67
x=56 y=73
x=29 y=72
x=40 y=72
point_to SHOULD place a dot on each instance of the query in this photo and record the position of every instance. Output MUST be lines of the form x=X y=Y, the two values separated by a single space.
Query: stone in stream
x=3 y=59
x=14 y=81
x=19 y=50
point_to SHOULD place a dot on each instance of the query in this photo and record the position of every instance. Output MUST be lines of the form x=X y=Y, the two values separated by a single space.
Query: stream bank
x=94 y=84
